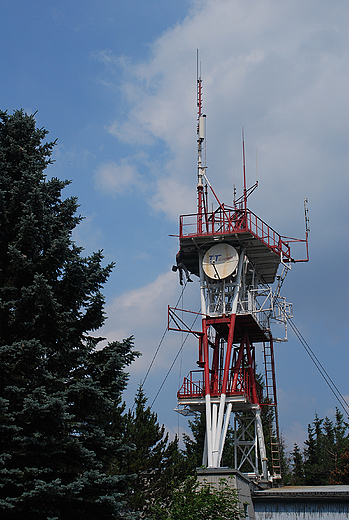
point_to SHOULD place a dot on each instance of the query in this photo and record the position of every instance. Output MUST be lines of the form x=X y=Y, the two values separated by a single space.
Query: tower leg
x=216 y=432
x=224 y=433
x=204 y=455
x=249 y=445
x=209 y=431
x=261 y=444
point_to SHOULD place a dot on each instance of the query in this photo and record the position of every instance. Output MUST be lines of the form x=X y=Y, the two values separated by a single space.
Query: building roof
x=304 y=492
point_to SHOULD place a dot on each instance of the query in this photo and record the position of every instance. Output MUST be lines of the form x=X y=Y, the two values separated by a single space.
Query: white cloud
x=296 y=434
x=113 y=179
x=172 y=197
x=131 y=132
x=279 y=69
x=143 y=313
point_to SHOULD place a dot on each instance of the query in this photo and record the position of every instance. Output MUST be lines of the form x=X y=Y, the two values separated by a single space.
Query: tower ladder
x=270 y=385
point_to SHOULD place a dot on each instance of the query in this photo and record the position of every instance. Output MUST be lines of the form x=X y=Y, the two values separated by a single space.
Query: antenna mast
x=200 y=140
x=244 y=169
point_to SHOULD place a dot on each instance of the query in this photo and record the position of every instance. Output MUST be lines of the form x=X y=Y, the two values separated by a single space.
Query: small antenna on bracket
x=246 y=191
x=307 y=228
x=306 y=216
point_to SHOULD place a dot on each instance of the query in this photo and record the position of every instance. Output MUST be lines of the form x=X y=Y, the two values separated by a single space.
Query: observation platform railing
x=194 y=386
x=226 y=221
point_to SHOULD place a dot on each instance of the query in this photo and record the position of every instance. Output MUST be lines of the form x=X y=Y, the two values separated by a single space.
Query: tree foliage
x=194 y=445
x=155 y=461
x=325 y=458
x=59 y=396
x=193 y=500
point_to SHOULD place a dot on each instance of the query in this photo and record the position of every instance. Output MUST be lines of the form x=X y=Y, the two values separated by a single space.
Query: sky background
x=115 y=83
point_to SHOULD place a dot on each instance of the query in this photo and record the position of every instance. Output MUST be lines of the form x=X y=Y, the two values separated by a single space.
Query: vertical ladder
x=270 y=385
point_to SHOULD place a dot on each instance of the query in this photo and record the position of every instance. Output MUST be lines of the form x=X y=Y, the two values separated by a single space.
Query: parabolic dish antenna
x=220 y=261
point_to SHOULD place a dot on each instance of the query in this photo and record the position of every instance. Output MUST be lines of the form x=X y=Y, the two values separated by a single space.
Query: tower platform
x=239 y=228
x=243 y=322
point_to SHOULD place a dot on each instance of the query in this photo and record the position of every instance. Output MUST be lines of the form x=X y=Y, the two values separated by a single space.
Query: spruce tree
x=340 y=474
x=297 y=478
x=155 y=461
x=59 y=395
x=325 y=457
x=194 y=446
x=315 y=472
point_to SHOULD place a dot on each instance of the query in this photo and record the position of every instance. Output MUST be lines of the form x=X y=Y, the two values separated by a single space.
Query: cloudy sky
x=115 y=82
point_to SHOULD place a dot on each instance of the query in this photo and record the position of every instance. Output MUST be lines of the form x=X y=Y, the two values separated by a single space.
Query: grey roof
x=298 y=492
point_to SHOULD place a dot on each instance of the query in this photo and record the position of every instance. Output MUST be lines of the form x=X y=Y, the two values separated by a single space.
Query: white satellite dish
x=220 y=261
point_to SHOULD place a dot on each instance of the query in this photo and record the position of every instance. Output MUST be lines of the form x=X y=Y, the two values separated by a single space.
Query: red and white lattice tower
x=236 y=257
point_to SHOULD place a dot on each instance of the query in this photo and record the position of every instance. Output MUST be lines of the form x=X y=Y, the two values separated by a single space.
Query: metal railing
x=191 y=387
x=226 y=220
x=194 y=386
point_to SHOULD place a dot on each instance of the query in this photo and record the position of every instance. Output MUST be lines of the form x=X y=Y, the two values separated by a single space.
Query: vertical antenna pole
x=244 y=168
x=234 y=190
x=200 y=140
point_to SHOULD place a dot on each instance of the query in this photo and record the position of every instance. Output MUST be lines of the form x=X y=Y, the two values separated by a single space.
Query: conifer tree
x=59 y=396
x=340 y=474
x=155 y=461
x=148 y=438
x=325 y=457
x=194 y=446
x=313 y=464
x=297 y=478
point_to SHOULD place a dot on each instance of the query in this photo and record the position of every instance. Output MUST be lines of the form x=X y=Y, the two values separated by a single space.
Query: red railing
x=193 y=386
x=226 y=220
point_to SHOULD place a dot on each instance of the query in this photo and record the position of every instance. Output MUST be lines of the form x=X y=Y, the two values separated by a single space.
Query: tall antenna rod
x=200 y=140
x=234 y=190
x=246 y=192
x=244 y=168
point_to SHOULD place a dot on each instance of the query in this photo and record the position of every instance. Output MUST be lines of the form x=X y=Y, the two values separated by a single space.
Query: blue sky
x=115 y=82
